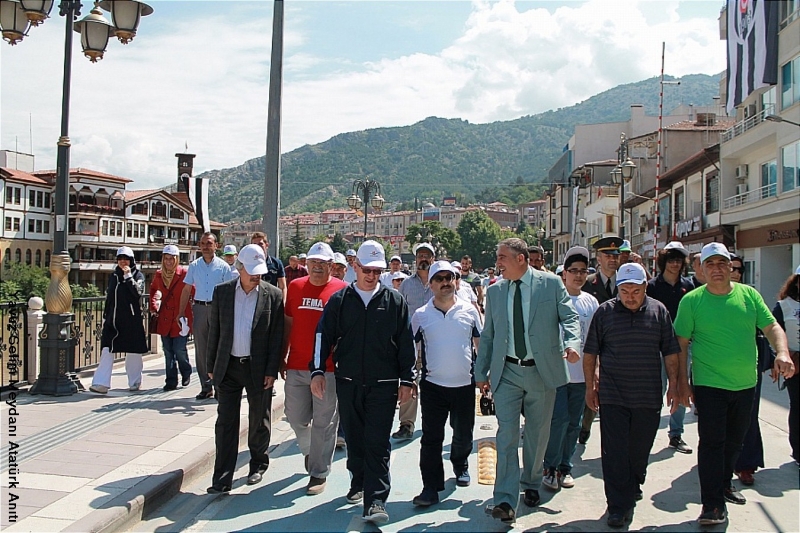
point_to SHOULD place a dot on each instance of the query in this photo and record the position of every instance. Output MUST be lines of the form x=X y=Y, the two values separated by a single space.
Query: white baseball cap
x=577 y=251
x=371 y=255
x=302 y=256
x=399 y=275
x=229 y=250
x=559 y=270
x=126 y=251
x=253 y=258
x=631 y=273
x=677 y=245
x=395 y=258
x=350 y=252
x=171 y=249
x=319 y=250
x=442 y=266
x=714 y=248
x=424 y=246
x=339 y=259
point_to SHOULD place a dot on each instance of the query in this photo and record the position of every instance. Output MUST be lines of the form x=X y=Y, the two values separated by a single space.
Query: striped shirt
x=630 y=346
x=415 y=293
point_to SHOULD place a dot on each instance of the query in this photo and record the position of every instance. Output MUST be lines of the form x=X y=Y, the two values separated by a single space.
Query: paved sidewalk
x=92 y=462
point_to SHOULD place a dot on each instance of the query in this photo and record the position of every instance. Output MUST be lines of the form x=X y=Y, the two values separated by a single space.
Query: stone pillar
x=35 y=320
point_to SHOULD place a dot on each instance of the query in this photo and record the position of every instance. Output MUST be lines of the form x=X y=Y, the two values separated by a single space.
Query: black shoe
x=504 y=512
x=185 y=381
x=218 y=489
x=619 y=519
x=711 y=517
x=462 y=478
x=734 y=496
x=405 y=432
x=531 y=497
x=168 y=388
x=376 y=513
x=677 y=444
x=274 y=392
x=354 y=495
x=583 y=436
x=426 y=498
x=638 y=496
x=204 y=395
x=256 y=477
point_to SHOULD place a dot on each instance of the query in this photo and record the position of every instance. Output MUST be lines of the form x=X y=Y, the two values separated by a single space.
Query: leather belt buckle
x=243 y=360
x=200 y=302
x=520 y=362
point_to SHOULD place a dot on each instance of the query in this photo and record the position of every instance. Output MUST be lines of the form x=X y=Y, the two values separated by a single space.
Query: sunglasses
x=440 y=279
x=372 y=271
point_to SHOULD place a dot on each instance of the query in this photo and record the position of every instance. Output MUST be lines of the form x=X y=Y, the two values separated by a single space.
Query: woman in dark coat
x=123 y=328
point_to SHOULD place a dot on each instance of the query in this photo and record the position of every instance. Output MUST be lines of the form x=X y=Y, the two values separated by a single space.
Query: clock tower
x=185 y=166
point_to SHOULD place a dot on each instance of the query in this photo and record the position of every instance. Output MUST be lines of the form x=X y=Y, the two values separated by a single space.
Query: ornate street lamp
x=58 y=337
x=623 y=173
x=365 y=189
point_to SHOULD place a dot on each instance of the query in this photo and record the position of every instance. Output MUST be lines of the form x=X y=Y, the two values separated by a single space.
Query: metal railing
x=748 y=123
x=13 y=348
x=749 y=197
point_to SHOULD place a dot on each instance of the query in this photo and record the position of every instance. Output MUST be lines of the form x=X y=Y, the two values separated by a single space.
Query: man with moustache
x=339 y=266
x=446 y=330
x=295 y=270
x=417 y=291
x=602 y=285
x=395 y=264
x=536 y=258
x=350 y=274
x=245 y=334
x=314 y=420
x=369 y=326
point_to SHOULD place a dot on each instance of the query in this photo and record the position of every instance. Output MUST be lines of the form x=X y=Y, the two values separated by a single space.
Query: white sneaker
x=550 y=480
x=99 y=389
x=566 y=481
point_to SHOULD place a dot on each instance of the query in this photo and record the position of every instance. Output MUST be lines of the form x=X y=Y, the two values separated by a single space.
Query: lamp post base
x=57 y=344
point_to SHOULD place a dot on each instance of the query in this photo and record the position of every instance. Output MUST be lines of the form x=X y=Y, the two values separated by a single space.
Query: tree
x=23 y=282
x=479 y=237
x=448 y=238
x=85 y=291
x=297 y=244
x=338 y=244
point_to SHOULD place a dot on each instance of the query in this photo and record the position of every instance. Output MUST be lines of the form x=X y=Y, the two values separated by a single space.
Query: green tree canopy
x=479 y=237
x=338 y=244
x=448 y=238
x=21 y=282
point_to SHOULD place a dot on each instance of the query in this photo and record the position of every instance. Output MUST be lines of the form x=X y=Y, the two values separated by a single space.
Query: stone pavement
x=92 y=462
x=102 y=463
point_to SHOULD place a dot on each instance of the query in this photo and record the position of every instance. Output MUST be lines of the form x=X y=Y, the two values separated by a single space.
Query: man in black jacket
x=366 y=328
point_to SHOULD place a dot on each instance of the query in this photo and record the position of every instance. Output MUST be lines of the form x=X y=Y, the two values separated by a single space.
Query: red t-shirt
x=304 y=304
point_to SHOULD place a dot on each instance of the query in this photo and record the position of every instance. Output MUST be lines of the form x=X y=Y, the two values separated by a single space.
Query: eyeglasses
x=440 y=279
x=372 y=271
x=578 y=271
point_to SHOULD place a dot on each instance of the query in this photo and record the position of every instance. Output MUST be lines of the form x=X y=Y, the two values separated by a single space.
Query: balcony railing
x=97 y=209
x=748 y=123
x=751 y=196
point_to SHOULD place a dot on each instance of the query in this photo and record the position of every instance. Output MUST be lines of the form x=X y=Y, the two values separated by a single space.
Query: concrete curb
x=127 y=509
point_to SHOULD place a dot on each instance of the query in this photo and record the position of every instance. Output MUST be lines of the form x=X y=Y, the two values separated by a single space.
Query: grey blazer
x=266 y=331
x=551 y=307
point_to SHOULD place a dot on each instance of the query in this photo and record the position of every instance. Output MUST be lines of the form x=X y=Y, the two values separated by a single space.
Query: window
x=38 y=226
x=9 y=195
x=680 y=208
x=790 y=166
x=664 y=212
x=28 y=256
x=18 y=195
x=40 y=199
x=119 y=229
x=7 y=255
x=46 y=228
x=139 y=209
x=8 y=223
x=113 y=230
x=176 y=213
x=769 y=178
x=32 y=198
x=790 y=83
x=47 y=200
x=130 y=229
x=609 y=224
x=768 y=100
x=160 y=210
x=712 y=193
x=788 y=8
x=16 y=224
x=47 y=258
x=18 y=255
x=38 y=256
x=105 y=227
x=31 y=226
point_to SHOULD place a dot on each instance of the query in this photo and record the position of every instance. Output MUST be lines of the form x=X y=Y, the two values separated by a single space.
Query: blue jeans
x=176 y=356
x=565 y=427
x=676 y=418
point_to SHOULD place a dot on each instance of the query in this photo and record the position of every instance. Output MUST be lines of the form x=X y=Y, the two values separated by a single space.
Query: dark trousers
x=626 y=438
x=176 y=357
x=752 y=454
x=239 y=376
x=437 y=404
x=367 y=412
x=793 y=386
x=722 y=421
x=200 y=327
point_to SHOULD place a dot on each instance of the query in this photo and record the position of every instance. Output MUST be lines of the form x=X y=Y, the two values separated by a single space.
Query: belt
x=520 y=362
x=242 y=360
x=200 y=302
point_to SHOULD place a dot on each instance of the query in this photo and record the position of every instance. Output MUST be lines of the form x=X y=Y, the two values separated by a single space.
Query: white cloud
x=202 y=78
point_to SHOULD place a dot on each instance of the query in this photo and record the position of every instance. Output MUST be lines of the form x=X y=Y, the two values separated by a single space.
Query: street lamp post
x=622 y=173
x=364 y=189
x=58 y=336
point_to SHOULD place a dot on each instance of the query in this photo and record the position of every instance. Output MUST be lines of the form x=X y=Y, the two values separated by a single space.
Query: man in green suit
x=522 y=359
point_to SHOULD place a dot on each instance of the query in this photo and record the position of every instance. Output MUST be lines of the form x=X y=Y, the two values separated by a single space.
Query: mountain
x=436 y=156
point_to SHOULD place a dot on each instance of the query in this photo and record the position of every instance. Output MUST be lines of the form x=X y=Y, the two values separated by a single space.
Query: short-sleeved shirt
x=275 y=271
x=415 y=292
x=304 y=304
x=585 y=304
x=295 y=273
x=446 y=342
x=205 y=276
x=630 y=346
x=722 y=329
x=669 y=295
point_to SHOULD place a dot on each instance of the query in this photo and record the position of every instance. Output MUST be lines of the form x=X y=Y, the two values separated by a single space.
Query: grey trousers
x=314 y=421
x=200 y=326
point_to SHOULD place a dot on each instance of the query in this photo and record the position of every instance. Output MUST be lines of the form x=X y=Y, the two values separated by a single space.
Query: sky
x=197 y=73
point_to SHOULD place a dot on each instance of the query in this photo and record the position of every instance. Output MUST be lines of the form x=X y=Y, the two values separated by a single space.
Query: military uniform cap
x=608 y=245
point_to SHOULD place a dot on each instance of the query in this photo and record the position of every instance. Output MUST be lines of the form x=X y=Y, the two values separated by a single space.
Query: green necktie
x=519 y=323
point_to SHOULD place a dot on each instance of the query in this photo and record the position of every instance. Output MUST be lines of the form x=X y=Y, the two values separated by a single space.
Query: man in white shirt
x=395 y=263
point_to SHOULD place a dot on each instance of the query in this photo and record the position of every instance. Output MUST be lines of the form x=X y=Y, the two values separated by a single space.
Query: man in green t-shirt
x=720 y=319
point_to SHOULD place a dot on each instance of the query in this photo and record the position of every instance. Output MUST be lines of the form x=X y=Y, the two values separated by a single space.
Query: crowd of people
x=355 y=336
